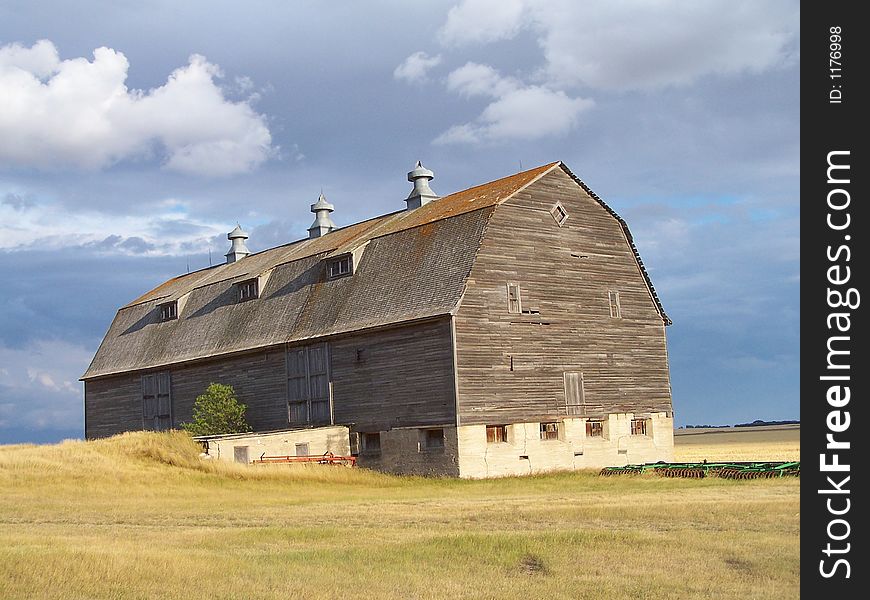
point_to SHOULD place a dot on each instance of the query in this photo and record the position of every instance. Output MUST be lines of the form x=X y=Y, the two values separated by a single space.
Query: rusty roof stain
x=414 y=266
x=347 y=238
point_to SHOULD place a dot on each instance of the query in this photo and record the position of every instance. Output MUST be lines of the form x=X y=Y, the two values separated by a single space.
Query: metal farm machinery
x=726 y=470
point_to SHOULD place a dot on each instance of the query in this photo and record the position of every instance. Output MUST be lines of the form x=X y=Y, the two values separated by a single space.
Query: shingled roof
x=413 y=265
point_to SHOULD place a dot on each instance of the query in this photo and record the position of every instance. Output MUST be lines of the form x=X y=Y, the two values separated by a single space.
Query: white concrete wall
x=466 y=452
x=320 y=440
x=525 y=452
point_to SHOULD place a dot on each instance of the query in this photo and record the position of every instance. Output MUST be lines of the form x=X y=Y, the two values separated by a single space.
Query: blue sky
x=134 y=135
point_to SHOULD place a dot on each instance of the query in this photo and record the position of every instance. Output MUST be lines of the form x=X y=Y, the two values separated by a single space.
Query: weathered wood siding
x=394 y=377
x=258 y=379
x=380 y=379
x=114 y=404
x=511 y=366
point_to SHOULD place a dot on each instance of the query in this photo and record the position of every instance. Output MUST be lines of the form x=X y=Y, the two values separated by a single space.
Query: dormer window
x=340 y=266
x=169 y=311
x=248 y=290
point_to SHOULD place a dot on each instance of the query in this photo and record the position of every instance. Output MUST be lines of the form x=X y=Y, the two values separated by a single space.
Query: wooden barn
x=508 y=328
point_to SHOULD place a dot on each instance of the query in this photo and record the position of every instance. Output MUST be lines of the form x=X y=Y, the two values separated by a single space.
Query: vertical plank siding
x=511 y=366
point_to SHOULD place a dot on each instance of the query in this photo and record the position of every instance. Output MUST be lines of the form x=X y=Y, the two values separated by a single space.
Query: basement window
x=638 y=427
x=248 y=290
x=594 y=429
x=514 y=298
x=340 y=267
x=559 y=213
x=496 y=434
x=370 y=443
x=615 y=308
x=550 y=431
x=433 y=439
x=169 y=311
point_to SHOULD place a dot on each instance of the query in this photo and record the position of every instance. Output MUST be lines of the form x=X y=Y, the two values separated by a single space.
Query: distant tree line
x=755 y=423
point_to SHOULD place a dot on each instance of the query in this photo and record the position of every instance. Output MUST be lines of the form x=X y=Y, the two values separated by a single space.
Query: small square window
x=638 y=427
x=371 y=443
x=594 y=429
x=169 y=311
x=340 y=267
x=302 y=449
x=433 y=439
x=550 y=431
x=615 y=308
x=496 y=434
x=515 y=298
x=248 y=290
x=559 y=213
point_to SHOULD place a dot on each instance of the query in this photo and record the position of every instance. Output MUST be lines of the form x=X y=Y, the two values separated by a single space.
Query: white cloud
x=80 y=113
x=415 y=68
x=168 y=229
x=518 y=112
x=473 y=79
x=593 y=46
x=482 y=21
x=40 y=386
x=668 y=42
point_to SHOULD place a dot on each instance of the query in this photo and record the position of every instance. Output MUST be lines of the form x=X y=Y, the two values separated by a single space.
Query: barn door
x=308 y=398
x=318 y=378
x=297 y=385
x=156 y=402
x=574 y=393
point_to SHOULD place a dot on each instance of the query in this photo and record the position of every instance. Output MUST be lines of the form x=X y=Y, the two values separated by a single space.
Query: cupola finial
x=322 y=222
x=422 y=193
x=238 y=250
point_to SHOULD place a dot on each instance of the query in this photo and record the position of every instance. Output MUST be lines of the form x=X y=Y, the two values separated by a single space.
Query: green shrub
x=217 y=411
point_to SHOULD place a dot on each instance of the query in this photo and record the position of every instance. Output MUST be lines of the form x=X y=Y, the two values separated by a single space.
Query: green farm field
x=141 y=516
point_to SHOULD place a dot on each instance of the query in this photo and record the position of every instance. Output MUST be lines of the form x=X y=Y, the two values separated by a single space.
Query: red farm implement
x=321 y=459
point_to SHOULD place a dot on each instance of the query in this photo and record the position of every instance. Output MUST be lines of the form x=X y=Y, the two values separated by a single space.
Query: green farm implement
x=727 y=470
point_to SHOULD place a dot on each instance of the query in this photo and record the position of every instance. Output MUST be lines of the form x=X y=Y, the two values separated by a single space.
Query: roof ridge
x=629 y=238
x=478 y=196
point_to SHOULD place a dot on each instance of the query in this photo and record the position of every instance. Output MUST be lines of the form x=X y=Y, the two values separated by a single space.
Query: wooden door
x=156 y=402
x=318 y=378
x=574 y=394
x=308 y=395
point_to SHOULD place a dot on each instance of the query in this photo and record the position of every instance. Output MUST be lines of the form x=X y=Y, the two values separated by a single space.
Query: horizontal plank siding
x=511 y=366
x=258 y=380
x=113 y=405
x=394 y=378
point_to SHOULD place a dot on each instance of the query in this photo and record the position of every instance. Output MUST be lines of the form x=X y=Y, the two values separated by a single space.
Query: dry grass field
x=773 y=442
x=140 y=516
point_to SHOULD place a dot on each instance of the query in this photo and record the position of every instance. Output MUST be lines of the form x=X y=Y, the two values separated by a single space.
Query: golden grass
x=774 y=443
x=140 y=516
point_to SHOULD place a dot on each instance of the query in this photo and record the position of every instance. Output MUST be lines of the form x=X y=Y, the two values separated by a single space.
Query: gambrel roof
x=411 y=265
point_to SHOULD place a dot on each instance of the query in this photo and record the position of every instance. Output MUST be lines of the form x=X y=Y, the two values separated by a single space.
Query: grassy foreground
x=140 y=516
